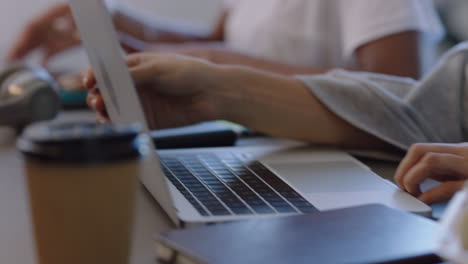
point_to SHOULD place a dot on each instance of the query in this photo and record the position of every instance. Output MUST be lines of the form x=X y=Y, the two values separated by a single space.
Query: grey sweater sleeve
x=397 y=110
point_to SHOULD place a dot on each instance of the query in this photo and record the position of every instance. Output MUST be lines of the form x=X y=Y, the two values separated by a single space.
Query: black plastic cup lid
x=81 y=142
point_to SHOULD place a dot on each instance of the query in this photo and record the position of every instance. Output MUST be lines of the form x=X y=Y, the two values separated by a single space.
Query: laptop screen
x=116 y=86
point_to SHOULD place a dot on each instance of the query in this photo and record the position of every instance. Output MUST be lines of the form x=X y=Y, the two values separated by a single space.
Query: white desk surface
x=16 y=238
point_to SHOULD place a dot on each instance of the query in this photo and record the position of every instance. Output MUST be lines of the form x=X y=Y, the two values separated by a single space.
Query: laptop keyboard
x=222 y=184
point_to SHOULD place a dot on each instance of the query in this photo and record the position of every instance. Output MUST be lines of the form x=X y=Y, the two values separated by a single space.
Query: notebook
x=363 y=234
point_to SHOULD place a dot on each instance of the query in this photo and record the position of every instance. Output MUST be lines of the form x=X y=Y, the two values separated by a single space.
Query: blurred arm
x=395 y=55
x=284 y=107
x=135 y=25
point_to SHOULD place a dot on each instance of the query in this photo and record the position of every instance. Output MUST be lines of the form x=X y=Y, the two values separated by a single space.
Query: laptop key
x=219 y=212
x=274 y=199
x=241 y=211
x=285 y=209
x=262 y=209
x=236 y=205
x=205 y=196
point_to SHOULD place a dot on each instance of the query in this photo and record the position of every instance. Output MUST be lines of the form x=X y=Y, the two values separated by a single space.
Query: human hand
x=447 y=163
x=53 y=32
x=173 y=90
x=215 y=52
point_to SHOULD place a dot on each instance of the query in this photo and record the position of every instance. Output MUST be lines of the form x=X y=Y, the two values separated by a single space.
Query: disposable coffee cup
x=82 y=180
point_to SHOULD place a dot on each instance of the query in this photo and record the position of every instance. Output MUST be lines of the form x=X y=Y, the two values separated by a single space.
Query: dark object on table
x=207 y=134
x=364 y=234
x=27 y=94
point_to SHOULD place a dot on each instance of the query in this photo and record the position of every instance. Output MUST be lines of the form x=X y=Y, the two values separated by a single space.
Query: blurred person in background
x=287 y=37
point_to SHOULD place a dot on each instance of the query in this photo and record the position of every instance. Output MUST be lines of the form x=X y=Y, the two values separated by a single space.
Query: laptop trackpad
x=334 y=176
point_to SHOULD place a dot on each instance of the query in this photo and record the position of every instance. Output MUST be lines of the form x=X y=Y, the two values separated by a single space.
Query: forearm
x=232 y=58
x=283 y=107
x=227 y=57
x=397 y=54
x=147 y=28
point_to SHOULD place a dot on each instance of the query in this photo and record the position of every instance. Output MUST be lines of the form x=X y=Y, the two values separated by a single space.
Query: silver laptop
x=232 y=183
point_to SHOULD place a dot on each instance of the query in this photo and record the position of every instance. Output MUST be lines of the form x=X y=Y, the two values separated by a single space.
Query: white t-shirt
x=322 y=32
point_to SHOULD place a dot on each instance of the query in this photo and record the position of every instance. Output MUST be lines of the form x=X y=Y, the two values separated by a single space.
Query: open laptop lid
x=115 y=84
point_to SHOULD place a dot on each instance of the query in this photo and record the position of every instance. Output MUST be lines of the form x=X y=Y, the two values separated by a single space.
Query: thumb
x=441 y=193
x=141 y=68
